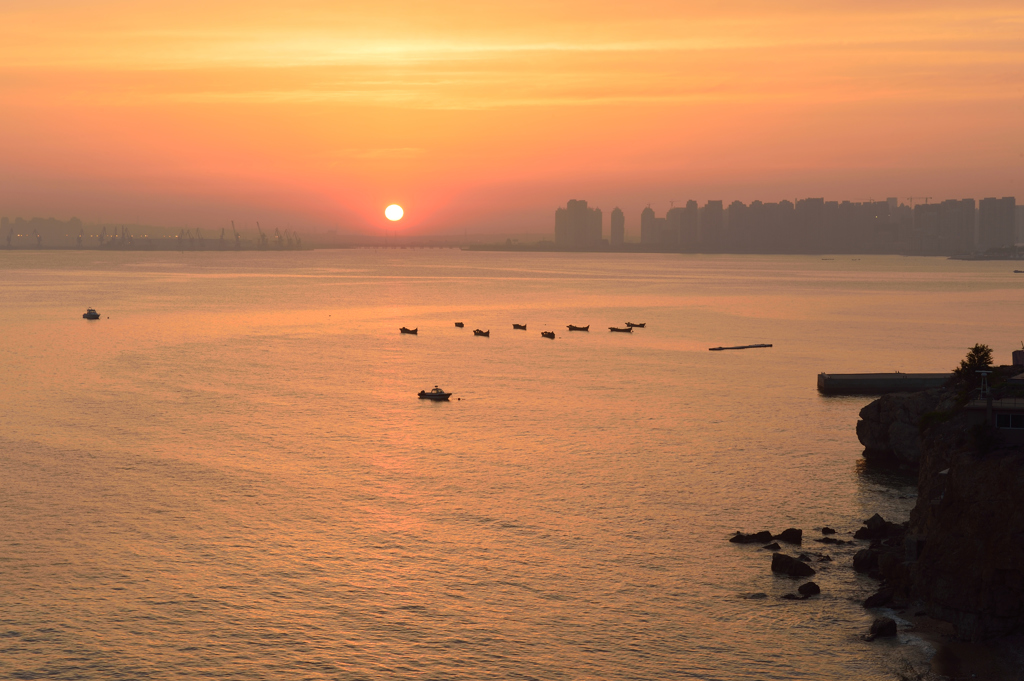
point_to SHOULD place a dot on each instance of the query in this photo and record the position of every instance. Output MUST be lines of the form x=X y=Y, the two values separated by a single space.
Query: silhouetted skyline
x=812 y=225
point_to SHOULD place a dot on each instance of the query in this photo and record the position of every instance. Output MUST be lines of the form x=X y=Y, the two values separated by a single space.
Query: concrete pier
x=878 y=384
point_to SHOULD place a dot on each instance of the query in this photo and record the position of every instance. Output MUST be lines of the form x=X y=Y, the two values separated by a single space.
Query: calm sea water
x=229 y=476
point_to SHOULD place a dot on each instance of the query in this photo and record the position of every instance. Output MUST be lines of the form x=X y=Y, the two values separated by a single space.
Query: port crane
x=912 y=198
x=238 y=239
x=278 y=241
x=288 y=238
x=263 y=237
x=202 y=241
x=221 y=245
x=103 y=237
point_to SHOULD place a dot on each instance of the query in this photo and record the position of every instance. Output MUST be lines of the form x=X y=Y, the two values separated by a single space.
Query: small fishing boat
x=548 y=334
x=91 y=314
x=631 y=325
x=478 y=332
x=519 y=326
x=436 y=394
x=579 y=328
x=742 y=347
x=459 y=324
x=628 y=329
x=412 y=331
x=1018 y=271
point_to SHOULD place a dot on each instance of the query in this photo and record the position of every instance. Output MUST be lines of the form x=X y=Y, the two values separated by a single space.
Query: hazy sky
x=485 y=114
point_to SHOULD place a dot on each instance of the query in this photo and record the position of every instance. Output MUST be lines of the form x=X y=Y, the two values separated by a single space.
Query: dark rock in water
x=774 y=546
x=876 y=528
x=788 y=565
x=830 y=540
x=827 y=530
x=825 y=559
x=790 y=536
x=791 y=597
x=875 y=523
x=883 y=626
x=809 y=589
x=804 y=557
x=879 y=598
x=762 y=537
x=756 y=596
x=865 y=560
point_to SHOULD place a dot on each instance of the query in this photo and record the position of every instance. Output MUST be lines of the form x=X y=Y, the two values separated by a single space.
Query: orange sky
x=484 y=115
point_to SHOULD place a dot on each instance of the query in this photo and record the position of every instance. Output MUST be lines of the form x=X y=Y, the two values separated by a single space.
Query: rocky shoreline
x=955 y=569
x=962 y=554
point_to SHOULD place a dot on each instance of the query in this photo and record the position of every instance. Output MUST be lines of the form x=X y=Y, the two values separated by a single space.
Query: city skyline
x=320 y=115
x=811 y=225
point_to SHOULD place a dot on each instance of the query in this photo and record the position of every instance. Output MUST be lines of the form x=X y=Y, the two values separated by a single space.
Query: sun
x=394 y=212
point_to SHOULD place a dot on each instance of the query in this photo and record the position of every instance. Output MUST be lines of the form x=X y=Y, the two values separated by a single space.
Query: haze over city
x=485 y=118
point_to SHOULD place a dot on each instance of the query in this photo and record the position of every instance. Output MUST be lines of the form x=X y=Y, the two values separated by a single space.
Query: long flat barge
x=878 y=384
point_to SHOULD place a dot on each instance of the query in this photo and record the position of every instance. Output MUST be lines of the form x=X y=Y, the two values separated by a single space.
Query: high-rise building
x=712 y=222
x=648 y=227
x=673 y=231
x=689 y=235
x=737 y=226
x=810 y=234
x=617 y=237
x=997 y=223
x=945 y=228
x=577 y=226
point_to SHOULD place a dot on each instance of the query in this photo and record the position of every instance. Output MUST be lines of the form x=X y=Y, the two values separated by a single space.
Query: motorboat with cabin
x=460 y=324
x=631 y=325
x=91 y=314
x=521 y=327
x=437 y=395
x=412 y=331
x=478 y=332
x=548 y=334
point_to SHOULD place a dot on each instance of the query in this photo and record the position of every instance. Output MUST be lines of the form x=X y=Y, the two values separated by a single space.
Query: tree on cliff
x=979 y=358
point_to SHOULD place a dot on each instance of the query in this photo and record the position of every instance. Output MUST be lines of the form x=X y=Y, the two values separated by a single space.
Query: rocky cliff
x=890 y=427
x=963 y=557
